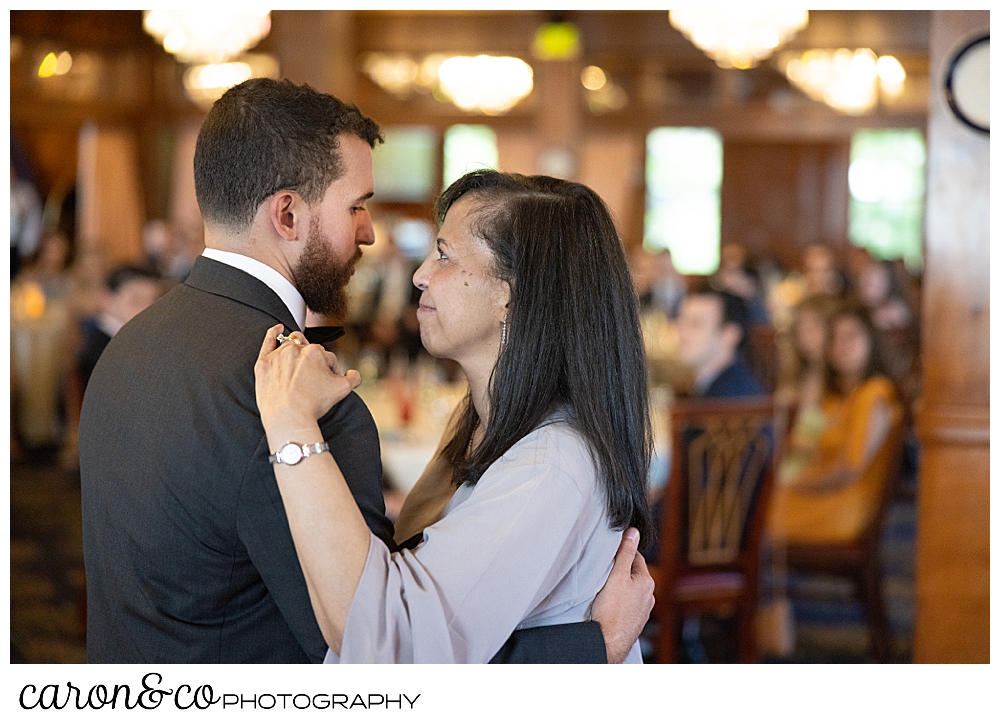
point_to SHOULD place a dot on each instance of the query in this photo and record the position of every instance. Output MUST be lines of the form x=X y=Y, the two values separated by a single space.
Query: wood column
x=110 y=209
x=953 y=529
x=558 y=120
x=317 y=47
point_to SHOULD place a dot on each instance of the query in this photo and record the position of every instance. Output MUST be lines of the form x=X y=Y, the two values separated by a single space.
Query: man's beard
x=320 y=278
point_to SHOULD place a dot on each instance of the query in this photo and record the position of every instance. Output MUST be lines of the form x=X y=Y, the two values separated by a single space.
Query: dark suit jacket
x=735 y=381
x=95 y=340
x=187 y=549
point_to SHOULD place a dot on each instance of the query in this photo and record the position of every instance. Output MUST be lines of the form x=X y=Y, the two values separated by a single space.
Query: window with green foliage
x=404 y=166
x=683 y=183
x=886 y=179
x=467 y=148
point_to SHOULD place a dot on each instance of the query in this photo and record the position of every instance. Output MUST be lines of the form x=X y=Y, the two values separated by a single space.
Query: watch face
x=290 y=453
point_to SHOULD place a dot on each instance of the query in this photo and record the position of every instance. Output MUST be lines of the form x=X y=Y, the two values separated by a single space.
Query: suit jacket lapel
x=215 y=277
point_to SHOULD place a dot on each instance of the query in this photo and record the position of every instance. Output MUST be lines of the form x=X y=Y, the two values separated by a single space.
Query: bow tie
x=324 y=336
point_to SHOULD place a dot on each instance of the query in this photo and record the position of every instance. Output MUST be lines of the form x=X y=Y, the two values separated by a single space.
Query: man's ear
x=288 y=215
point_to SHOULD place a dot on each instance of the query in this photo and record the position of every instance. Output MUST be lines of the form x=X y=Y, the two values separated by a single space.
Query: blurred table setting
x=412 y=404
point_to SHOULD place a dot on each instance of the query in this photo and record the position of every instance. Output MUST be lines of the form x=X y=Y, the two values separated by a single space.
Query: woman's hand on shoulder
x=298 y=382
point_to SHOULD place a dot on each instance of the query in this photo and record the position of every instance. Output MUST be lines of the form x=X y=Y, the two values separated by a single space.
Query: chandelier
x=208 y=34
x=209 y=41
x=849 y=81
x=485 y=83
x=739 y=38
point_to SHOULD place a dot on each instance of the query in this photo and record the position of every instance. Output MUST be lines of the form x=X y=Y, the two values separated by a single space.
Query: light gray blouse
x=528 y=545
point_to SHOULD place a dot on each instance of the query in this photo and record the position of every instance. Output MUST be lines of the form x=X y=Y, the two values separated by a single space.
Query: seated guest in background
x=738 y=275
x=822 y=273
x=831 y=493
x=669 y=285
x=806 y=379
x=712 y=332
x=40 y=314
x=883 y=293
x=128 y=290
x=658 y=284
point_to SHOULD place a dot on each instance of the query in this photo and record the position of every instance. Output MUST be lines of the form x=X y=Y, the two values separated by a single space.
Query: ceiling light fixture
x=739 y=37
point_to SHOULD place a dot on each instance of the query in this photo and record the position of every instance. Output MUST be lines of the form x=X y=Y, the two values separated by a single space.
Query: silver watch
x=292 y=453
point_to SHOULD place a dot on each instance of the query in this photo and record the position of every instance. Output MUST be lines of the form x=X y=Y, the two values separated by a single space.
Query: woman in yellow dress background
x=833 y=493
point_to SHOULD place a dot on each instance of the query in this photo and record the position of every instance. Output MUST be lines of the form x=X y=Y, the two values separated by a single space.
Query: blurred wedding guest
x=394 y=292
x=157 y=242
x=40 y=314
x=856 y=260
x=25 y=220
x=737 y=274
x=640 y=266
x=882 y=292
x=128 y=290
x=658 y=284
x=831 y=492
x=86 y=282
x=712 y=332
x=821 y=272
x=669 y=285
x=807 y=381
x=184 y=245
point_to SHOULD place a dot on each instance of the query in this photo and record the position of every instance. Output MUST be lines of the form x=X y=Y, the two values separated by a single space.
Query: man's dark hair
x=735 y=310
x=125 y=273
x=575 y=343
x=263 y=136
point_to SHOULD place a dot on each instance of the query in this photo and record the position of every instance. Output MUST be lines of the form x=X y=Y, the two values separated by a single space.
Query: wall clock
x=967 y=84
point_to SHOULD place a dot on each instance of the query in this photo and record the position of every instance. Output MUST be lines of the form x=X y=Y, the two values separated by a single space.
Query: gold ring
x=282 y=339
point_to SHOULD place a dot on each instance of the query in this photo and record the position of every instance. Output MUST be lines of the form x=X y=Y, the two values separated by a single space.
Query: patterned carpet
x=829 y=622
x=47 y=584
x=47 y=615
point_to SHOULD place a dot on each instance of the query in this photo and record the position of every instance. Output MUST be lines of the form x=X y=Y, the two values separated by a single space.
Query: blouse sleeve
x=874 y=392
x=479 y=572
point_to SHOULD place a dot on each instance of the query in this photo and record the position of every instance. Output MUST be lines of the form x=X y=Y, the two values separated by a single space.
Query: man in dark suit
x=187 y=549
x=712 y=328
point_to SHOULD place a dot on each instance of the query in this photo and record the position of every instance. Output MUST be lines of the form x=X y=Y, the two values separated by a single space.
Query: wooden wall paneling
x=316 y=47
x=184 y=213
x=778 y=197
x=613 y=165
x=953 y=527
x=110 y=209
x=517 y=151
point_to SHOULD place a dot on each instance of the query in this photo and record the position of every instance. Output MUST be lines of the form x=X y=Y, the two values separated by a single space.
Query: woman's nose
x=420 y=276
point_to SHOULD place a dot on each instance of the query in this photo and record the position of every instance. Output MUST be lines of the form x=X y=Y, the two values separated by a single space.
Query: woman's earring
x=503 y=332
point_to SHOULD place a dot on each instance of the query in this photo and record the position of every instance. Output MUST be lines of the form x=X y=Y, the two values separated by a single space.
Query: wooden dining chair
x=715 y=504
x=859 y=559
x=762 y=355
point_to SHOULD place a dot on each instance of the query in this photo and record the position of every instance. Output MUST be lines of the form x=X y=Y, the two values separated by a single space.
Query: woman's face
x=850 y=347
x=810 y=334
x=873 y=286
x=462 y=307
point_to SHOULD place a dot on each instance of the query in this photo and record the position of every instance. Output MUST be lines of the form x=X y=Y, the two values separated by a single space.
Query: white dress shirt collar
x=258 y=269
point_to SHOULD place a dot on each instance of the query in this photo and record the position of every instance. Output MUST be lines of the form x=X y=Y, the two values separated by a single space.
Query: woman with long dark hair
x=528 y=290
x=835 y=493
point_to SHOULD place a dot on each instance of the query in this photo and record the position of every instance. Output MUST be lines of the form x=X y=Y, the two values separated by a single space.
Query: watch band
x=291 y=453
